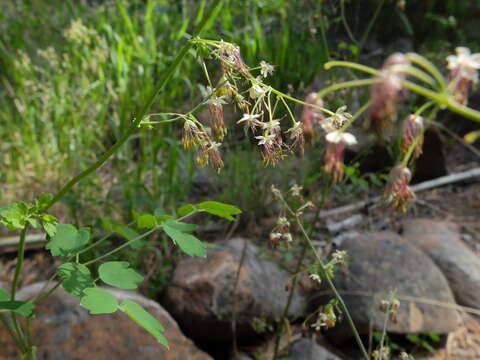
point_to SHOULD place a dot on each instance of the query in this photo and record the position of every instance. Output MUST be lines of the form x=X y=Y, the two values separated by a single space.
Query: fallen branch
x=430 y=184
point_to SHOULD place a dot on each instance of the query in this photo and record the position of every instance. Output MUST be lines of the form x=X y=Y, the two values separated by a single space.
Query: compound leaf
x=220 y=209
x=75 y=278
x=67 y=240
x=98 y=301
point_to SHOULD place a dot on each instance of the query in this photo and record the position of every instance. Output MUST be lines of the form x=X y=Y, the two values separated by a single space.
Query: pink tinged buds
x=209 y=151
x=250 y=121
x=296 y=136
x=385 y=93
x=309 y=116
x=463 y=72
x=397 y=192
x=215 y=107
x=334 y=154
x=271 y=149
x=412 y=129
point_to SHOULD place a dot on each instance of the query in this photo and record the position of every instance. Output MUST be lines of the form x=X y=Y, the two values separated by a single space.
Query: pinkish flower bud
x=334 y=154
x=191 y=135
x=412 y=128
x=216 y=119
x=231 y=59
x=385 y=93
x=397 y=192
x=310 y=115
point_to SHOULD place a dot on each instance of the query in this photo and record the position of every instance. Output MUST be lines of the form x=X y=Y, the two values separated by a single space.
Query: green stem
x=124 y=245
x=332 y=287
x=355 y=116
x=344 y=85
x=432 y=69
x=352 y=65
x=370 y=25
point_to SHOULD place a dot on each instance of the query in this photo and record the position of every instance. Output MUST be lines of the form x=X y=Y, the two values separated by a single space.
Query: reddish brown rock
x=62 y=330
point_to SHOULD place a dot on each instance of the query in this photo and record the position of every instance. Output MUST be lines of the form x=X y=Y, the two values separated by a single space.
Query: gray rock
x=382 y=262
x=201 y=292
x=64 y=330
x=441 y=240
x=307 y=349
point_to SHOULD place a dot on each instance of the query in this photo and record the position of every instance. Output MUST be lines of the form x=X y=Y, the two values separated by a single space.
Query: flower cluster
x=280 y=233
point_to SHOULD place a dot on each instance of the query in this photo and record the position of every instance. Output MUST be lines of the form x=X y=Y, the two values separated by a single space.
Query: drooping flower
x=310 y=116
x=397 y=193
x=272 y=151
x=250 y=121
x=215 y=107
x=296 y=136
x=257 y=91
x=209 y=151
x=231 y=59
x=463 y=72
x=385 y=93
x=336 y=121
x=412 y=128
x=191 y=135
x=265 y=68
x=335 y=153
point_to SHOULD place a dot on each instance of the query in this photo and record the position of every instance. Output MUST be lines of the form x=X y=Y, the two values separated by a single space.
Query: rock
x=382 y=262
x=441 y=240
x=62 y=330
x=307 y=349
x=201 y=292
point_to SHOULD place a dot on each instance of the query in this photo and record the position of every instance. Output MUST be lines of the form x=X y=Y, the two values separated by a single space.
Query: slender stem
x=349 y=64
x=427 y=65
x=384 y=332
x=355 y=116
x=344 y=85
x=370 y=24
x=332 y=287
x=345 y=23
x=145 y=234
x=234 y=294
x=290 y=297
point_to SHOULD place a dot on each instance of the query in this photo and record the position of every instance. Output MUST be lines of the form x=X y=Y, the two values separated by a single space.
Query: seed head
x=397 y=192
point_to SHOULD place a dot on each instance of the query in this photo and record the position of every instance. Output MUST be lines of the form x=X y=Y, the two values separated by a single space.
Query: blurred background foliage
x=73 y=73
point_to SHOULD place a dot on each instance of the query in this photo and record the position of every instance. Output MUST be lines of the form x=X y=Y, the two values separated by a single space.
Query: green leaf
x=14 y=216
x=220 y=209
x=67 y=240
x=186 y=209
x=43 y=200
x=75 y=278
x=24 y=308
x=50 y=228
x=188 y=243
x=119 y=274
x=4 y=295
x=146 y=221
x=145 y=320
x=181 y=226
x=98 y=301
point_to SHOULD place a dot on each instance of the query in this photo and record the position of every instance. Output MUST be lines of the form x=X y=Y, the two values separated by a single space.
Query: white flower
x=465 y=62
x=256 y=91
x=268 y=139
x=341 y=137
x=296 y=190
x=250 y=120
x=315 y=278
x=339 y=118
x=265 y=68
x=272 y=126
x=296 y=130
